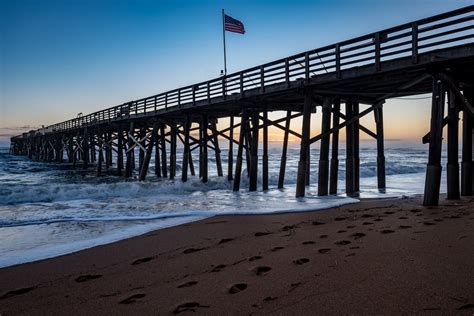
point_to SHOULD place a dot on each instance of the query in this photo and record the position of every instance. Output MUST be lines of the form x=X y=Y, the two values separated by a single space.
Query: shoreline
x=379 y=255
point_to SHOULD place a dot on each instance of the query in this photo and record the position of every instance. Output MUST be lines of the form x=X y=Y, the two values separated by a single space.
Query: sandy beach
x=376 y=257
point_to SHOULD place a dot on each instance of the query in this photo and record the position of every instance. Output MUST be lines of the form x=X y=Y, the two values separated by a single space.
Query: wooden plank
x=335 y=149
x=350 y=163
x=240 y=148
x=186 y=149
x=467 y=163
x=230 y=154
x=378 y=114
x=323 y=167
x=254 y=152
x=452 y=167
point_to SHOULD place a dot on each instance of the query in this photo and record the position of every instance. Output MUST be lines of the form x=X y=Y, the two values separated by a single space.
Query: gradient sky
x=58 y=58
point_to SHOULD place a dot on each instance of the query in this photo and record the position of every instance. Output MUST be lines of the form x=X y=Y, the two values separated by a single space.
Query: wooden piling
x=157 y=153
x=356 y=131
x=129 y=163
x=173 y=140
x=323 y=168
x=149 y=150
x=186 y=149
x=164 y=163
x=305 y=135
x=254 y=152
x=217 y=150
x=141 y=152
x=119 y=152
x=467 y=167
x=433 y=170
x=335 y=148
x=265 y=152
x=350 y=164
x=204 y=162
x=378 y=114
x=230 y=155
x=240 y=149
x=281 y=176
x=452 y=167
x=101 y=154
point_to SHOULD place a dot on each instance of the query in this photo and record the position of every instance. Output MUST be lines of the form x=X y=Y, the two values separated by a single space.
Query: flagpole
x=223 y=36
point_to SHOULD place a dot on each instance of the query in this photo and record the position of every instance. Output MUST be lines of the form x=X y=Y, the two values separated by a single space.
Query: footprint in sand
x=301 y=261
x=338 y=219
x=132 y=299
x=191 y=250
x=289 y=227
x=277 y=248
x=188 y=307
x=403 y=217
x=88 y=277
x=142 y=260
x=225 y=240
x=316 y=223
x=387 y=231
x=17 y=292
x=324 y=250
x=323 y=236
x=367 y=216
x=358 y=235
x=342 y=242
x=341 y=231
x=255 y=258
x=261 y=270
x=428 y=223
x=367 y=223
x=465 y=306
x=187 y=284
x=404 y=226
x=218 y=268
x=236 y=288
x=309 y=242
x=259 y=234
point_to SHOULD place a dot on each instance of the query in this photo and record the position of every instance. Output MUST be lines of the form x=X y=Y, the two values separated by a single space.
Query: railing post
x=156 y=101
x=223 y=88
x=414 y=43
x=179 y=97
x=262 y=79
x=208 y=92
x=338 y=61
x=242 y=84
x=287 y=72
x=194 y=95
x=377 y=51
x=166 y=101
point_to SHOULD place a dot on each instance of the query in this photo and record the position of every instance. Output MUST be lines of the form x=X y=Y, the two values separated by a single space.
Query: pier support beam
x=254 y=153
x=356 y=129
x=281 y=177
x=433 y=171
x=240 y=149
x=85 y=145
x=350 y=162
x=265 y=152
x=157 y=153
x=323 y=172
x=452 y=167
x=173 y=140
x=164 y=163
x=147 y=158
x=119 y=152
x=378 y=113
x=129 y=163
x=230 y=155
x=217 y=149
x=204 y=140
x=467 y=164
x=304 y=149
x=335 y=148
x=101 y=154
x=186 y=149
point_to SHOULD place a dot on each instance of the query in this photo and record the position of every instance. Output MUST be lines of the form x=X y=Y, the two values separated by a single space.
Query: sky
x=58 y=58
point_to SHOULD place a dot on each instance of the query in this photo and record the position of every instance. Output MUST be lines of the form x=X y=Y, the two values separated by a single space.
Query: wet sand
x=375 y=257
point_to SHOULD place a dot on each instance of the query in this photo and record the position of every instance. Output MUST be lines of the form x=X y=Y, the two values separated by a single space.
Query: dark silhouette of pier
x=432 y=55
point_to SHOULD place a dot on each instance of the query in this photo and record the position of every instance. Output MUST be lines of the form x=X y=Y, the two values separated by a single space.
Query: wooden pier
x=344 y=82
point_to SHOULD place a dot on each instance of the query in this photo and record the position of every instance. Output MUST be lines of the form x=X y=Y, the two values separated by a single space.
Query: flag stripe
x=233 y=25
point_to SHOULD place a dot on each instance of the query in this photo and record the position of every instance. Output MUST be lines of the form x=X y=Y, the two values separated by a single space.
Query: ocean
x=51 y=209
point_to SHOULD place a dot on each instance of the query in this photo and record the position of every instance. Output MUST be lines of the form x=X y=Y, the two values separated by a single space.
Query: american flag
x=233 y=25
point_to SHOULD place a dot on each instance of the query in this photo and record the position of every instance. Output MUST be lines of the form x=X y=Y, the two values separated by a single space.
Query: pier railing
x=407 y=40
